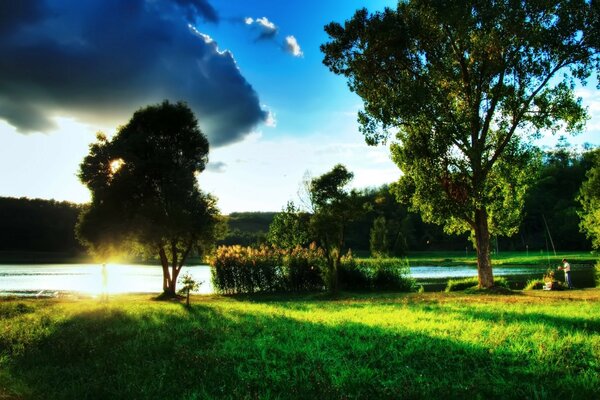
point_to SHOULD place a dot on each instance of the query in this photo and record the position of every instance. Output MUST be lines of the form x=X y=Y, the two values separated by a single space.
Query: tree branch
x=517 y=119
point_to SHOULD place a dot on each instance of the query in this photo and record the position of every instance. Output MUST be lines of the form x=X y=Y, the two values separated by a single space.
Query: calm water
x=51 y=279
x=46 y=279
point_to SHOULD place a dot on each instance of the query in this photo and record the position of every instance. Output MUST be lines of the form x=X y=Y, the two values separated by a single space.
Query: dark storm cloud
x=100 y=60
x=198 y=8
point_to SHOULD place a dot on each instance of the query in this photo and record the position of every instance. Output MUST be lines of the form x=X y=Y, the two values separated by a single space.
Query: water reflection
x=88 y=278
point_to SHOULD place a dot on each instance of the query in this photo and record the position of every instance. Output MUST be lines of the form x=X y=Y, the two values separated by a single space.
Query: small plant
x=550 y=282
x=549 y=276
x=534 y=284
x=188 y=285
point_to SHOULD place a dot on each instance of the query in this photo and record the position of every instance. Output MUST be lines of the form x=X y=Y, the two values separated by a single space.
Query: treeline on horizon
x=550 y=216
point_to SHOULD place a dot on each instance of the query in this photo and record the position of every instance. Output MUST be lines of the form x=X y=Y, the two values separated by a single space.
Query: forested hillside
x=38 y=225
x=550 y=218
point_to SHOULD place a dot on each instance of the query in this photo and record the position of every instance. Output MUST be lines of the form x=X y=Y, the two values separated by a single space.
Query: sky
x=251 y=71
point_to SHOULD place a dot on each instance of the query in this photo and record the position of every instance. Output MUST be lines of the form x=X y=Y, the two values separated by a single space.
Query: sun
x=115 y=165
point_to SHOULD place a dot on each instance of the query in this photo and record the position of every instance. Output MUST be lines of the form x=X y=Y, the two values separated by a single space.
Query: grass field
x=503 y=258
x=431 y=345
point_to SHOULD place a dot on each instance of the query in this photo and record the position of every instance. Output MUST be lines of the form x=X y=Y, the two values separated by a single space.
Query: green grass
x=457 y=285
x=501 y=259
x=527 y=345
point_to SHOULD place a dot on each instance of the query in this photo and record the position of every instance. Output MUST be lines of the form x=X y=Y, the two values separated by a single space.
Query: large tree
x=145 y=194
x=465 y=86
x=333 y=208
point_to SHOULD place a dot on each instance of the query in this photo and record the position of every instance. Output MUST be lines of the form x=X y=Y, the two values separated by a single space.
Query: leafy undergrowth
x=455 y=345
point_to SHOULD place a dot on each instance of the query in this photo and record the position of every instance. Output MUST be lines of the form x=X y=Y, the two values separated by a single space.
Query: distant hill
x=248 y=228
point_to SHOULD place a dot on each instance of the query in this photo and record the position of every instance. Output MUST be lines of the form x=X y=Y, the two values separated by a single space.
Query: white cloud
x=268 y=30
x=292 y=46
x=266 y=24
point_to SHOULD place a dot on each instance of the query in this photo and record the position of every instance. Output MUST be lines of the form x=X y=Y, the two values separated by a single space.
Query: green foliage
x=466 y=86
x=188 y=285
x=589 y=197
x=376 y=274
x=38 y=225
x=290 y=228
x=597 y=273
x=379 y=233
x=333 y=209
x=145 y=194
x=456 y=285
x=303 y=268
x=237 y=269
x=551 y=201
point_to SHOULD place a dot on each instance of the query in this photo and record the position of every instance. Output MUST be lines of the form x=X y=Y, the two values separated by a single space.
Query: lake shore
x=437 y=258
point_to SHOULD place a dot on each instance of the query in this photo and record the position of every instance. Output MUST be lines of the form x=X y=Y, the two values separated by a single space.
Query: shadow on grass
x=209 y=353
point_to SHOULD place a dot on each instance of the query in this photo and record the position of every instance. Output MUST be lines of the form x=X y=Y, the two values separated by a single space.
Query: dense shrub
x=303 y=269
x=597 y=273
x=456 y=285
x=237 y=269
x=375 y=273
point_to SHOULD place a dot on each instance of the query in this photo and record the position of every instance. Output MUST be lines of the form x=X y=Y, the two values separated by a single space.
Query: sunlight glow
x=115 y=165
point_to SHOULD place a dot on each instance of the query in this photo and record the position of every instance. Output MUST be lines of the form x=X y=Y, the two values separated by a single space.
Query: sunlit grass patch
x=365 y=345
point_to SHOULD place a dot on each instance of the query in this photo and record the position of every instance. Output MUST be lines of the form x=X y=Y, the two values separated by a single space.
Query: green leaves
x=464 y=87
x=589 y=197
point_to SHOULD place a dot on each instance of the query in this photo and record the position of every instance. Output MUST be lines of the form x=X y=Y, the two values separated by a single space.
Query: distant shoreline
x=433 y=258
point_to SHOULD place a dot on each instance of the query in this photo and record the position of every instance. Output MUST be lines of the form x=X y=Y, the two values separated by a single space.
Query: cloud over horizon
x=100 y=60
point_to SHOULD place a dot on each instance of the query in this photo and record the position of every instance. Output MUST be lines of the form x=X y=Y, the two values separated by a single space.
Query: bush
x=457 y=285
x=534 y=284
x=597 y=273
x=303 y=269
x=237 y=269
x=375 y=273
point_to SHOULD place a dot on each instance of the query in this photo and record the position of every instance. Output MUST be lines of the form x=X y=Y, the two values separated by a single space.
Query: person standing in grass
x=567 y=268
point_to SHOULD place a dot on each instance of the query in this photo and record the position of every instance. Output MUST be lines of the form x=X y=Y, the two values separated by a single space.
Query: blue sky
x=251 y=71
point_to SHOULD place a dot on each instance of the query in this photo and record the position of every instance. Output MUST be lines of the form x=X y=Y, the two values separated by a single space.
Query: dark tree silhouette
x=145 y=195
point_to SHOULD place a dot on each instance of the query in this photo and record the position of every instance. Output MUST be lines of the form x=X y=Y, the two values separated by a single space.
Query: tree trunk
x=168 y=281
x=482 y=239
x=164 y=261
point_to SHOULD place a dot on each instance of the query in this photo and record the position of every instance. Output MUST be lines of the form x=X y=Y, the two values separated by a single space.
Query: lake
x=51 y=279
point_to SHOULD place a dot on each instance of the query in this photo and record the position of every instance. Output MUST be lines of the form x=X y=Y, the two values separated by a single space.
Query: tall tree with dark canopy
x=145 y=196
x=465 y=86
x=333 y=207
